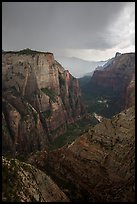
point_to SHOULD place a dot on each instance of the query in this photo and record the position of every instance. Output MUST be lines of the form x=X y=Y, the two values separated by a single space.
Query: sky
x=90 y=31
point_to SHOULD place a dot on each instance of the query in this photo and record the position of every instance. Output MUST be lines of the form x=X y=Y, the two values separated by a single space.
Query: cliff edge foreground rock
x=24 y=183
x=99 y=166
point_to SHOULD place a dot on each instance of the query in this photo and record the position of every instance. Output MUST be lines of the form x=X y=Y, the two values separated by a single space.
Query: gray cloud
x=52 y=26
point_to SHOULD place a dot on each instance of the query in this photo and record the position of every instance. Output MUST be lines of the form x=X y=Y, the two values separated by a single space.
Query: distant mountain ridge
x=103 y=66
x=79 y=67
x=108 y=63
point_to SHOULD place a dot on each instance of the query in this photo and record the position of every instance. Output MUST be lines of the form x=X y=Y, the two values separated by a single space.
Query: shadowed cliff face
x=99 y=165
x=112 y=89
x=39 y=99
x=22 y=182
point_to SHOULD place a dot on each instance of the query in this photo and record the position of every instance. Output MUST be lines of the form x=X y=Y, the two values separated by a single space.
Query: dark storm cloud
x=54 y=25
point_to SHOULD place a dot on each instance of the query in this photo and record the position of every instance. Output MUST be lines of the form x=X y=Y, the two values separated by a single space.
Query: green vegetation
x=49 y=93
x=10 y=181
x=27 y=51
x=5 y=129
x=98 y=93
x=6 y=104
x=13 y=88
x=73 y=131
x=35 y=117
x=92 y=94
x=46 y=114
x=61 y=81
x=84 y=80
x=108 y=109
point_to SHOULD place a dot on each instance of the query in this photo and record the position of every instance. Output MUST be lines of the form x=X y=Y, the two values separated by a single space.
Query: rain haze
x=89 y=31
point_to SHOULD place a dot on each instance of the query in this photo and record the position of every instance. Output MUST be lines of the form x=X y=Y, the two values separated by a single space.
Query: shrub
x=49 y=93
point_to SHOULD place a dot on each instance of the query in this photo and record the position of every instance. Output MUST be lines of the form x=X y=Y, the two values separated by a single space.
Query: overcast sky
x=87 y=30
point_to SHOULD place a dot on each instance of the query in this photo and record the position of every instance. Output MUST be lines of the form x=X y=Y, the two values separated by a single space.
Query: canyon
x=41 y=101
x=113 y=85
x=99 y=166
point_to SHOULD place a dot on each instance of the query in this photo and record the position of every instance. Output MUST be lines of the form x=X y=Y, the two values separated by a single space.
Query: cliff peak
x=117 y=54
x=28 y=51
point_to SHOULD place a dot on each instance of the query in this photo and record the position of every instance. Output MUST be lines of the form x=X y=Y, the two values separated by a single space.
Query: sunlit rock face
x=39 y=99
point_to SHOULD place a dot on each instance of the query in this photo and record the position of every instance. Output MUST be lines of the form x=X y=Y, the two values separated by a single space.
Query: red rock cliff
x=39 y=99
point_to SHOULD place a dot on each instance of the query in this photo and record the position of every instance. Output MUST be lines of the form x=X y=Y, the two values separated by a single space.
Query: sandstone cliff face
x=118 y=76
x=39 y=98
x=22 y=182
x=100 y=165
x=113 y=84
x=117 y=73
x=22 y=129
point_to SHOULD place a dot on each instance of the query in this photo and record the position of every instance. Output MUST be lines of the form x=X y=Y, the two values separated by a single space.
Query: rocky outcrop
x=22 y=182
x=113 y=83
x=39 y=99
x=118 y=74
x=99 y=166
